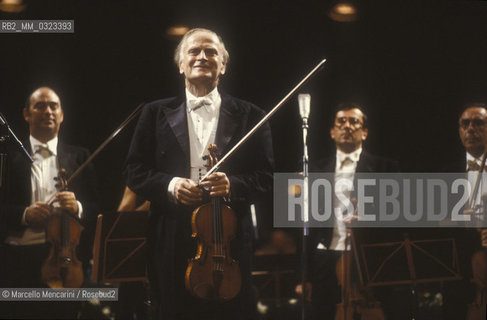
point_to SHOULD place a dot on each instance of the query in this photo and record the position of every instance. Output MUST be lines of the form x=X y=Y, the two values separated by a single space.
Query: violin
x=62 y=268
x=357 y=300
x=212 y=274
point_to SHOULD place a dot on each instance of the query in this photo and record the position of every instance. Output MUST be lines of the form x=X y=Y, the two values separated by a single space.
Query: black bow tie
x=345 y=162
x=43 y=150
x=197 y=103
x=472 y=165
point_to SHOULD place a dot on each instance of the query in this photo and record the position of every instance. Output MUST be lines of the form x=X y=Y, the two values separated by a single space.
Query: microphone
x=304 y=100
x=12 y=135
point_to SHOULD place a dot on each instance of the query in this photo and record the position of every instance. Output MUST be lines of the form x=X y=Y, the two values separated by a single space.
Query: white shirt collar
x=213 y=97
x=51 y=144
x=472 y=158
x=354 y=156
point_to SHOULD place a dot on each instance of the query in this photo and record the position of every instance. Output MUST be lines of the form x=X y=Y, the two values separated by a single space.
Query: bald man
x=25 y=211
x=164 y=166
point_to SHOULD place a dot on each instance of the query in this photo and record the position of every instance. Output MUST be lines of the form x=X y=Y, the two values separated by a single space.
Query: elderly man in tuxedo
x=165 y=163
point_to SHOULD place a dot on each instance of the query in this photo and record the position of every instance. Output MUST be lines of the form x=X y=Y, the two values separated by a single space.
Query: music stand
x=275 y=271
x=395 y=262
x=120 y=247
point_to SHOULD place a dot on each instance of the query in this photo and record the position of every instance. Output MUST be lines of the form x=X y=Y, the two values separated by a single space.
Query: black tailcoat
x=160 y=151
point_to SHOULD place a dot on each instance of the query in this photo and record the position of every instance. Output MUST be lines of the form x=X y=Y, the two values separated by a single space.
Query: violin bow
x=103 y=145
x=264 y=119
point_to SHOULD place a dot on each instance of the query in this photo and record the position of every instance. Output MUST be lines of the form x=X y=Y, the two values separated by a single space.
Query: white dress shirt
x=43 y=171
x=346 y=165
x=470 y=158
x=472 y=177
x=202 y=116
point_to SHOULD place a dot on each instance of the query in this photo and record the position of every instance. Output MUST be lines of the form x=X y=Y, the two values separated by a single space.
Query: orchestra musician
x=472 y=129
x=165 y=163
x=25 y=209
x=326 y=246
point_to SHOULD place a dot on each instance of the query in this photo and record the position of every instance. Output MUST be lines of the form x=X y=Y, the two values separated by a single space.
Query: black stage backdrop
x=411 y=63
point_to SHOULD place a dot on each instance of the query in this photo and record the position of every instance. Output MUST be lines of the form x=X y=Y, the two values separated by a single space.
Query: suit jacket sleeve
x=147 y=173
x=11 y=214
x=16 y=196
x=15 y=193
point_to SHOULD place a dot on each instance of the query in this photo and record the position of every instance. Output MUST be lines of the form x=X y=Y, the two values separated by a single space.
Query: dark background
x=412 y=64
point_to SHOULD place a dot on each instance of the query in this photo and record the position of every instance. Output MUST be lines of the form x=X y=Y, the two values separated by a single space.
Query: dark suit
x=160 y=151
x=20 y=265
x=458 y=294
x=468 y=239
x=367 y=163
x=18 y=187
x=459 y=165
x=321 y=263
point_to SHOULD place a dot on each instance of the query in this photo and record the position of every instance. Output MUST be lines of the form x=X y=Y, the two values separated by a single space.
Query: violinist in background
x=165 y=163
x=25 y=211
x=472 y=244
x=327 y=246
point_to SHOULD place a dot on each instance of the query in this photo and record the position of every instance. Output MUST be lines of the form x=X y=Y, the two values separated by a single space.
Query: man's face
x=473 y=130
x=202 y=59
x=347 y=131
x=44 y=114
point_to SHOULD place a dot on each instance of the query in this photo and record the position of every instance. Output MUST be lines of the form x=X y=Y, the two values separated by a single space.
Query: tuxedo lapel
x=330 y=165
x=21 y=169
x=364 y=163
x=228 y=122
x=176 y=117
x=461 y=165
x=66 y=160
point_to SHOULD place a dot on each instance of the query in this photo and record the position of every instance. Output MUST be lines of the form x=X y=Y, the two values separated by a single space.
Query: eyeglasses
x=354 y=122
x=476 y=123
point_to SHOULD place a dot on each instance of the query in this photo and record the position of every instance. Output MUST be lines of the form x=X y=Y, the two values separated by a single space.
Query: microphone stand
x=3 y=165
x=11 y=134
x=3 y=153
x=305 y=214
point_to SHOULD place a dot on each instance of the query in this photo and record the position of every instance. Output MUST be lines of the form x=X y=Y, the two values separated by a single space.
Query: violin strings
x=219 y=230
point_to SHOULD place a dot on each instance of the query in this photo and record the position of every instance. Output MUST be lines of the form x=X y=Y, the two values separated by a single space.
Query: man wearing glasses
x=349 y=130
x=472 y=129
